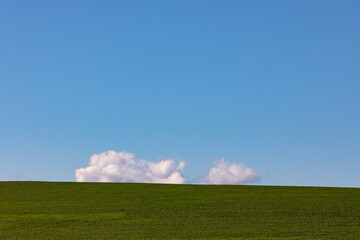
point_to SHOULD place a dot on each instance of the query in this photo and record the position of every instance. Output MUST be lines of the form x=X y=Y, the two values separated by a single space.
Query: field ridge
x=68 y=210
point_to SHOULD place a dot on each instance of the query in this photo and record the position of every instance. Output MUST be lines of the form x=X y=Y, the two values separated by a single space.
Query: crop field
x=44 y=210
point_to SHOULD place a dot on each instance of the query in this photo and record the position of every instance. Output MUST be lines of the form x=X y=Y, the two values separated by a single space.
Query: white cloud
x=231 y=173
x=111 y=166
x=14 y=178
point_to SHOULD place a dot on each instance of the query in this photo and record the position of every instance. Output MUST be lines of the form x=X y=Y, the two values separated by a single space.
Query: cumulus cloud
x=112 y=166
x=231 y=173
x=13 y=178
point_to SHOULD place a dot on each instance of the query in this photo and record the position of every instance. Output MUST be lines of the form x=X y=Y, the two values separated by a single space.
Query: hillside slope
x=44 y=210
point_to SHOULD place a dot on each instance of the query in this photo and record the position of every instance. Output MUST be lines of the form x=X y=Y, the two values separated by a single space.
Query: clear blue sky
x=272 y=84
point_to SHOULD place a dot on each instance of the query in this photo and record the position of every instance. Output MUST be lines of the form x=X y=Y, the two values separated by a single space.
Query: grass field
x=42 y=210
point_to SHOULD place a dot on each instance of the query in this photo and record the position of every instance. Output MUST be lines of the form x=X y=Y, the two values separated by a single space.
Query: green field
x=43 y=210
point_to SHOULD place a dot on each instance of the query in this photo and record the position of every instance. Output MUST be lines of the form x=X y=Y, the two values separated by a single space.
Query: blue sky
x=274 y=85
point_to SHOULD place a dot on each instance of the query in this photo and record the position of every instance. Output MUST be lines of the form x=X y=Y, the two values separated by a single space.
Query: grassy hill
x=43 y=210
